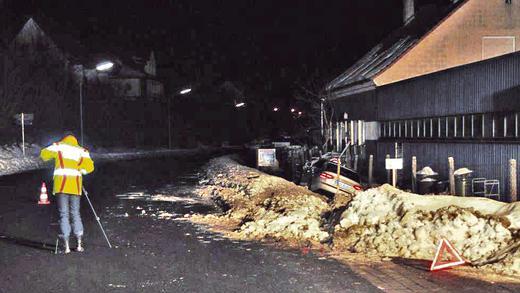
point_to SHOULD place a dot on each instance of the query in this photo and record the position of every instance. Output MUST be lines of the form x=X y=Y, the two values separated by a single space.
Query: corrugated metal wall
x=487 y=160
x=361 y=106
x=488 y=86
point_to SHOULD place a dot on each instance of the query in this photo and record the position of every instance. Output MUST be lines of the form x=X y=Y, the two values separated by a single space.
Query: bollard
x=451 y=166
x=394 y=171
x=370 y=169
x=512 y=180
x=414 y=174
x=388 y=172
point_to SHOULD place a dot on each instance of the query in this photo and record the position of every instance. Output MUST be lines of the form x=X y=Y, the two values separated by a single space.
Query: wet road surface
x=154 y=249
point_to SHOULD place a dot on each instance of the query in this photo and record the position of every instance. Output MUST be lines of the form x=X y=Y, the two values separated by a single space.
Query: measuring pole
x=23 y=135
x=96 y=216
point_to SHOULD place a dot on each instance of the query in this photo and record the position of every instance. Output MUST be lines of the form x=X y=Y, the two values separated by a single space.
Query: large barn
x=445 y=84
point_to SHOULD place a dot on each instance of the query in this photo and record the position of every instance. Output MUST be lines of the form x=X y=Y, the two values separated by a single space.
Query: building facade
x=444 y=86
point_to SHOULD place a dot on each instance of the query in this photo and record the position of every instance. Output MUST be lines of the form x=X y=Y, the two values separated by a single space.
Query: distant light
x=104 y=66
x=275 y=109
x=240 y=105
x=299 y=113
x=185 y=91
x=293 y=110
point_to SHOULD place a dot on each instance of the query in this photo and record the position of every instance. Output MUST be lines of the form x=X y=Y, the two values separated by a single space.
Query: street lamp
x=104 y=66
x=239 y=105
x=275 y=109
x=185 y=91
x=293 y=110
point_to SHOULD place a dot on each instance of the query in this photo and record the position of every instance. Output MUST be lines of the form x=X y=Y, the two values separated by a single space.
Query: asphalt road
x=149 y=254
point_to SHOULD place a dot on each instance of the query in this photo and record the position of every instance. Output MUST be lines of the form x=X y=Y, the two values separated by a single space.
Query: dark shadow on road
x=28 y=243
x=419 y=264
x=449 y=280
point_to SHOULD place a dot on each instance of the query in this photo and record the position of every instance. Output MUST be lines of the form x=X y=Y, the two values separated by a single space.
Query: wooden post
x=370 y=169
x=414 y=174
x=394 y=171
x=512 y=180
x=388 y=172
x=451 y=165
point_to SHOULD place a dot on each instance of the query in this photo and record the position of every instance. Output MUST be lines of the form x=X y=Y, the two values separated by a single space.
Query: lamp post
x=100 y=67
x=181 y=92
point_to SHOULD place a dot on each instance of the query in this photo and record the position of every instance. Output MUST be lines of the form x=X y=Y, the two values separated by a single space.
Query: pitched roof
x=359 y=76
x=68 y=40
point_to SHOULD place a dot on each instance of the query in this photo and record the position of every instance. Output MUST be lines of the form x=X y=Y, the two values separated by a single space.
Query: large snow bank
x=391 y=222
x=264 y=205
x=13 y=161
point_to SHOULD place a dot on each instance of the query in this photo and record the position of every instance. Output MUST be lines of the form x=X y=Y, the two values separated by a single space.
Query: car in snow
x=324 y=179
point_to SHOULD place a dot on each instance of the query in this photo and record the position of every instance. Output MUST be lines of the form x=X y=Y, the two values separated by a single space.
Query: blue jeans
x=66 y=202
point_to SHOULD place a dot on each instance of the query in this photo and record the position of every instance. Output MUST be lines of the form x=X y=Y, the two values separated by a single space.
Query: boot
x=80 y=246
x=66 y=247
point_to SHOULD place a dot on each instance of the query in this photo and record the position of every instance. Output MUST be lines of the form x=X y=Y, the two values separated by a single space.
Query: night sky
x=265 y=45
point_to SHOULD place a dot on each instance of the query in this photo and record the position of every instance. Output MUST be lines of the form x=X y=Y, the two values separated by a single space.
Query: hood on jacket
x=70 y=140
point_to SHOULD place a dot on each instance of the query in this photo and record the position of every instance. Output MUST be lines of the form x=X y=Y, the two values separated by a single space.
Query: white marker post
x=24 y=119
x=23 y=136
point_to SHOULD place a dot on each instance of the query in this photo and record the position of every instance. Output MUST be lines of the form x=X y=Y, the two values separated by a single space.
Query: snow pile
x=462 y=171
x=391 y=222
x=264 y=205
x=428 y=171
x=12 y=160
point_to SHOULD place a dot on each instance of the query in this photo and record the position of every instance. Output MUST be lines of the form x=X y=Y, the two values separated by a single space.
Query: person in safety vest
x=71 y=162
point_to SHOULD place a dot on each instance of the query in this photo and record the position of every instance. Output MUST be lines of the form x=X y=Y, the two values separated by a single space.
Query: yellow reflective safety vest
x=71 y=161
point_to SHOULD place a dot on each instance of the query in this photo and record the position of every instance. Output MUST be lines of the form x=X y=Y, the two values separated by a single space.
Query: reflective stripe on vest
x=69 y=152
x=67 y=172
x=60 y=157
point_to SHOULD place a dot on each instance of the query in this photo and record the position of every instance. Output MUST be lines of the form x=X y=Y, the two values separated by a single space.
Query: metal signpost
x=24 y=119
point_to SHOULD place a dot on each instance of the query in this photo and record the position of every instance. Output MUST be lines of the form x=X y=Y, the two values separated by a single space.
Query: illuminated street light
x=299 y=113
x=241 y=104
x=293 y=110
x=185 y=91
x=275 y=109
x=105 y=66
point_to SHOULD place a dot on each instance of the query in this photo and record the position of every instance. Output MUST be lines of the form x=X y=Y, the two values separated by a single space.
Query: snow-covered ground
x=391 y=222
x=384 y=221
x=13 y=161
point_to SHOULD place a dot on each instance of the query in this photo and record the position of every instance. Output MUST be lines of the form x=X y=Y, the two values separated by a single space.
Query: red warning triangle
x=453 y=255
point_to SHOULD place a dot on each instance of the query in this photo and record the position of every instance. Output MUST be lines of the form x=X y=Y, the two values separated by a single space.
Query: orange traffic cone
x=44 y=199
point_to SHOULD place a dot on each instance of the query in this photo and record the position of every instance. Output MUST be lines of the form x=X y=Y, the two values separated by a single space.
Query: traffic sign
x=27 y=118
x=394 y=164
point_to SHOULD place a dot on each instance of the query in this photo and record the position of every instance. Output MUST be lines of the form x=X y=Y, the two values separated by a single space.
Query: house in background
x=442 y=85
x=117 y=106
